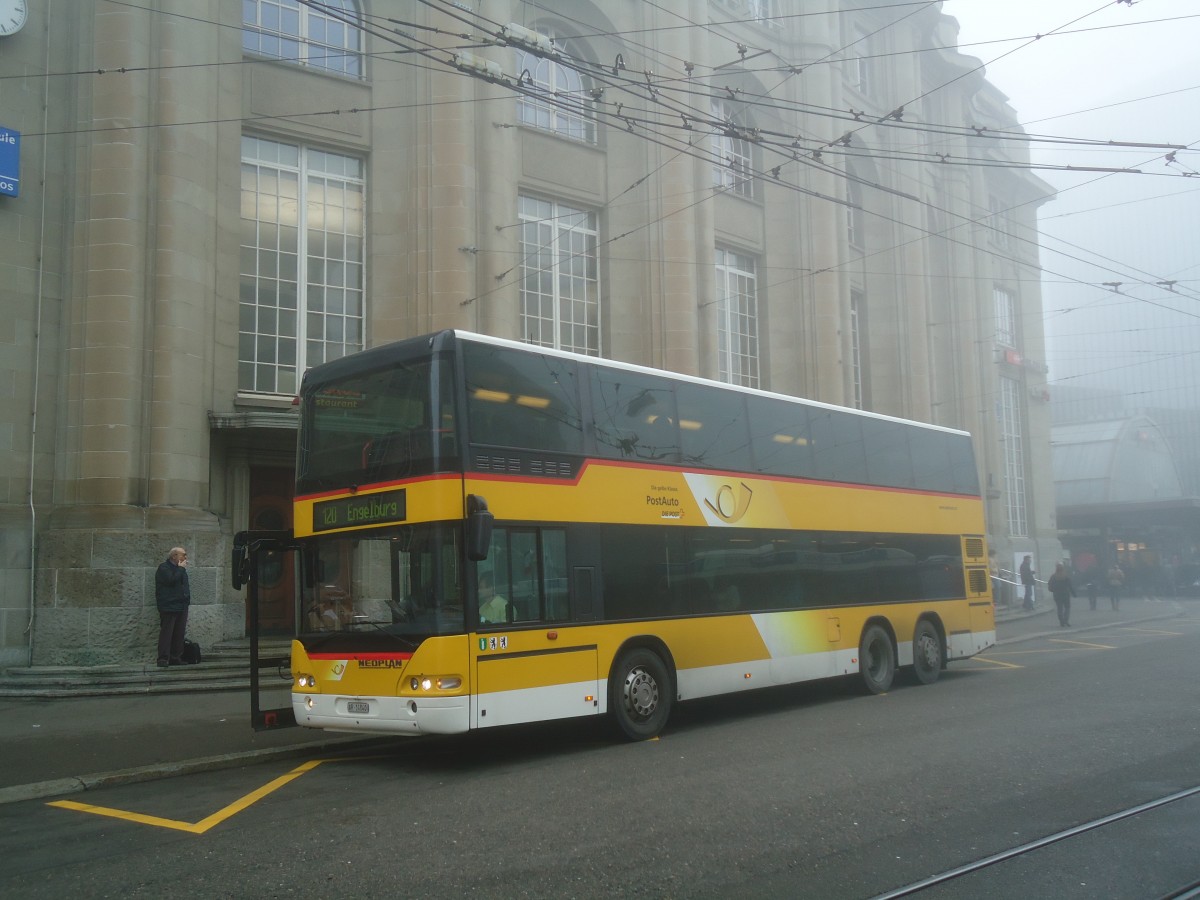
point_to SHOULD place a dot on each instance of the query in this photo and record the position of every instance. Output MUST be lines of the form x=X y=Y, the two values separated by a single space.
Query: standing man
x=1063 y=590
x=1027 y=581
x=1116 y=581
x=173 y=595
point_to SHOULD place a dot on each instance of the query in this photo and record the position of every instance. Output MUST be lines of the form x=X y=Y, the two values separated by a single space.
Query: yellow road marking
x=1082 y=644
x=1152 y=631
x=204 y=824
x=994 y=662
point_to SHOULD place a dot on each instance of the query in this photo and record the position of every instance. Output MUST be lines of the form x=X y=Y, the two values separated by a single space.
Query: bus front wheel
x=876 y=660
x=640 y=694
x=927 y=653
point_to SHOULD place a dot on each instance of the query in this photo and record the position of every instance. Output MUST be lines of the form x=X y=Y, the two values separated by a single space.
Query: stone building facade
x=215 y=194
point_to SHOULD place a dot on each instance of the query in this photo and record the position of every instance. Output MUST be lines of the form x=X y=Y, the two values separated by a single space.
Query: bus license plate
x=358 y=707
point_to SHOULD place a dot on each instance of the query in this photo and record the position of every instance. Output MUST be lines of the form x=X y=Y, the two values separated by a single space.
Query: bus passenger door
x=536 y=668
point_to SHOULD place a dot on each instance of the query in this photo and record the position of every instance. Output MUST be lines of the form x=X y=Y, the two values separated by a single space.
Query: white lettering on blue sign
x=10 y=161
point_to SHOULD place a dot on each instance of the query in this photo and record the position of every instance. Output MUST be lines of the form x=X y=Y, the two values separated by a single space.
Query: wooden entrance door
x=271 y=510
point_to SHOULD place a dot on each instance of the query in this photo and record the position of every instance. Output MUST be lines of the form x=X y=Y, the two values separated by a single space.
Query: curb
x=1075 y=629
x=80 y=783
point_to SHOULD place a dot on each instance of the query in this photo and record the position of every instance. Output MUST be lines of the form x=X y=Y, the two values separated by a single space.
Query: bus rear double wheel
x=876 y=659
x=640 y=694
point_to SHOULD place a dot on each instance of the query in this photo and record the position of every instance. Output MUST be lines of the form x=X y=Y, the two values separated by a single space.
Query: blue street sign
x=10 y=161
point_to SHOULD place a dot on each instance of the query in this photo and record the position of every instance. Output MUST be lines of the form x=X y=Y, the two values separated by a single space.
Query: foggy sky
x=1111 y=80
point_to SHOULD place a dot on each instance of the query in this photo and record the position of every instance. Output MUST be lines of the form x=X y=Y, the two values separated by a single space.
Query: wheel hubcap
x=928 y=652
x=641 y=693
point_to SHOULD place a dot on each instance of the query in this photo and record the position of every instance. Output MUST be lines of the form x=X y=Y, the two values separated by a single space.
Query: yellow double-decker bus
x=496 y=533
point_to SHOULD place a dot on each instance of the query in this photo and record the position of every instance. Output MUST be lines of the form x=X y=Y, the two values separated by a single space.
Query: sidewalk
x=52 y=747
x=1014 y=624
x=63 y=746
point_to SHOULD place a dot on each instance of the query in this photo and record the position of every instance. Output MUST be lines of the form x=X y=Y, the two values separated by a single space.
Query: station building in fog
x=1127 y=490
x=215 y=196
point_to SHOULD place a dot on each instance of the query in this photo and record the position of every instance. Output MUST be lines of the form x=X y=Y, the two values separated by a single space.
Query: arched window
x=733 y=160
x=311 y=36
x=557 y=97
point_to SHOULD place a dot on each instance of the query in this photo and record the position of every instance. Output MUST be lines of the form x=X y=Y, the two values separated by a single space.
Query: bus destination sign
x=369 y=509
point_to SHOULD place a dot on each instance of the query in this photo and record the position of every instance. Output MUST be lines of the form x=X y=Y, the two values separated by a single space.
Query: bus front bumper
x=383 y=715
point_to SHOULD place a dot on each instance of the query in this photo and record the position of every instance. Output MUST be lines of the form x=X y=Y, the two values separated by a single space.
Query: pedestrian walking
x=1093 y=590
x=1062 y=590
x=1116 y=581
x=1027 y=581
x=173 y=596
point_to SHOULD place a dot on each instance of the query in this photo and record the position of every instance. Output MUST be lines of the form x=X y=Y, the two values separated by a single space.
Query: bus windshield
x=379 y=425
x=406 y=582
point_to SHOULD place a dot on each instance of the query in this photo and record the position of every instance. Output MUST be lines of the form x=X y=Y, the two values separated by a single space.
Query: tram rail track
x=1188 y=892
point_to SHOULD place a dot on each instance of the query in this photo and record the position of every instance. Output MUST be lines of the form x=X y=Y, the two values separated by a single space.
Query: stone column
x=682 y=241
x=448 y=198
x=134 y=458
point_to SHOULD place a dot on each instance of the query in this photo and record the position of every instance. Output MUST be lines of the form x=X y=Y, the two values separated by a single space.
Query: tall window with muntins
x=1013 y=437
x=302 y=256
x=560 y=280
x=762 y=12
x=1006 y=316
x=733 y=159
x=855 y=234
x=557 y=98
x=858 y=54
x=319 y=34
x=1001 y=232
x=737 y=318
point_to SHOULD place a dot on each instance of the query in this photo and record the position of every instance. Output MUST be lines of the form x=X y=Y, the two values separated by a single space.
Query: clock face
x=13 y=14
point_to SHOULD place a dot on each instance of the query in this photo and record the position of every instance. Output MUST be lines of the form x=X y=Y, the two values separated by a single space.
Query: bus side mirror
x=479 y=528
x=239 y=569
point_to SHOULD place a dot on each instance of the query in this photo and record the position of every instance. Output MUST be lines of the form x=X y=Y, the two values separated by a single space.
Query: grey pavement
x=54 y=747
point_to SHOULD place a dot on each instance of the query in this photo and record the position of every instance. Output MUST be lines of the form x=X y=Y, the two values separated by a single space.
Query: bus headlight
x=435 y=682
x=306 y=681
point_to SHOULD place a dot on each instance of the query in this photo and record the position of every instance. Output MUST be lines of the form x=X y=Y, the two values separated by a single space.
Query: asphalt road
x=806 y=792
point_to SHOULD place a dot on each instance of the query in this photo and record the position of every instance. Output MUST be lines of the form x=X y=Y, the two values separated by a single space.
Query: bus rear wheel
x=876 y=660
x=927 y=653
x=640 y=694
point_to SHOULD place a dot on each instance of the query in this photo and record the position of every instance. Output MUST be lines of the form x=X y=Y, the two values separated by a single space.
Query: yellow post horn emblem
x=730 y=505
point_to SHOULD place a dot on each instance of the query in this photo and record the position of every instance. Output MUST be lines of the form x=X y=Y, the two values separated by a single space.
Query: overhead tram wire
x=965 y=129
x=989 y=215
x=747 y=99
x=619 y=237
x=424 y=52
x=969 y=131
x=431 y=48
x=1107 y=144
x=482 y=42
x=836 y=200
x=627 y=121
x=983 y=65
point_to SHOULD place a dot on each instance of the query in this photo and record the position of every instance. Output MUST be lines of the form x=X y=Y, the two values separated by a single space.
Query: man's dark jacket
x=171 y=589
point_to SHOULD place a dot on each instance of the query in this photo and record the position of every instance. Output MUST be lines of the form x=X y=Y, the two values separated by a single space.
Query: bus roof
x=355 y=361
x=650 y=370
